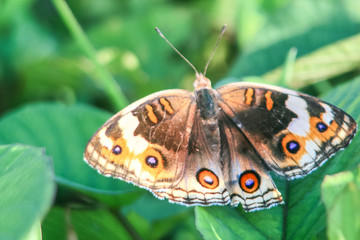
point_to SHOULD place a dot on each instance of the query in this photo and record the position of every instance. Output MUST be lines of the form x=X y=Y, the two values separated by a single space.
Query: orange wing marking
x=249 y=96
x=166 y=105
x=269 y=101
x=151 y=114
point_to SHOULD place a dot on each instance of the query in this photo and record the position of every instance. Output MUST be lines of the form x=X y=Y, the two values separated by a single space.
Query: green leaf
x=341 y=195
x=187 y=230
x=227 y=223
x=159 y=210
x=303 y=215
x=327 y=62
x=35 y=232
x=304 y=24
x=66 y=223
x=27 y=190
x=152 y=227
x=64 y=132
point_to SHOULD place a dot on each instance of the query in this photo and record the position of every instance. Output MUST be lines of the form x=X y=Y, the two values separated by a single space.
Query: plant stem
x=288 y=69
x=103 y=76
x=127 y=225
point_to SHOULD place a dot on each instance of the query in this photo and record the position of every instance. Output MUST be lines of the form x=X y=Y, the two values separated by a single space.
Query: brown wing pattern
x=145 y=143
x=249 y=181
x=217 y=147
x=231 y=172
x=292 y=132
x=203 y=182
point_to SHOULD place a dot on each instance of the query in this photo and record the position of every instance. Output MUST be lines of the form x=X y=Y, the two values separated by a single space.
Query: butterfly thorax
x=206 y=103
x=201 y=82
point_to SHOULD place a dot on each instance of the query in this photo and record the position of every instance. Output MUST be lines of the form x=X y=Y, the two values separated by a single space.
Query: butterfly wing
x=145 y=143
x=160 y=143
x=248 y=179
x=203 y=182
x=293 y=133
x=222 y=168
x=173 y=144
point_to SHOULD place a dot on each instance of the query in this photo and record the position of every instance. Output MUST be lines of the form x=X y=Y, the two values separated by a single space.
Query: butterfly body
x=217 y=146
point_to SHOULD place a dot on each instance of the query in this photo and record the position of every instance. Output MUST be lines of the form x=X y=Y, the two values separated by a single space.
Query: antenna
x=161 y=35
x=216 y=45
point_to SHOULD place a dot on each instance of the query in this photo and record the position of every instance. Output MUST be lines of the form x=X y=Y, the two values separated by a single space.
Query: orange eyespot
x=249 y=181
x=207 y=178
x=154 y=161
x=293 y=146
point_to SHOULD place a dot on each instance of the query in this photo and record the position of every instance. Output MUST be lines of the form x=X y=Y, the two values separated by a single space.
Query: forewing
x=145 y=143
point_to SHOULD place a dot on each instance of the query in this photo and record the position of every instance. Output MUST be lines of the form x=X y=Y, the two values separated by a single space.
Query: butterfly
x=218 y=146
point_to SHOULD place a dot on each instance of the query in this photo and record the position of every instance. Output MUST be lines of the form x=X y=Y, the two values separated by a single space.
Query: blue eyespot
x=249 y=183
x=208 y=180
x=321 y=127
x=293 y=146
x=116 y=150
x=151 y=161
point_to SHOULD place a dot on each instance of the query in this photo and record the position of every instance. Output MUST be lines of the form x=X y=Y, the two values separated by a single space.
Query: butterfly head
x=201 y=82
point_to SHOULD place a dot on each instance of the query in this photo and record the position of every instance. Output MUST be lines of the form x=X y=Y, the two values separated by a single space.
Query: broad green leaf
x=64 y=132
x=160 y=209
x=35 y=232
x=303 y=215
x=341 y=195
x=158 y=227
x=329 y=61
x=250 y=17
x=10 y=8
x=67 y=223
x=27 y=190
x=187 y=230
x=304 y=24
x=228 y=223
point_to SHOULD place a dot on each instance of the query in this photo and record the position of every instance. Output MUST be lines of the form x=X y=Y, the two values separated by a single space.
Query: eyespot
x=249 y=181
x=207 y=178
x=116 y=150
x=293 y=146
x=321 y=127
x=151 y=161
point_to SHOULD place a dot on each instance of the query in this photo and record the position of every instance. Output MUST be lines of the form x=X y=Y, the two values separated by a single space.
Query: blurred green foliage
x=341 y=195
x=54 y=80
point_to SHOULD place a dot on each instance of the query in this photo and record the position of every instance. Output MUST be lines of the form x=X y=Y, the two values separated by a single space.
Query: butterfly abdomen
x=207 y=119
